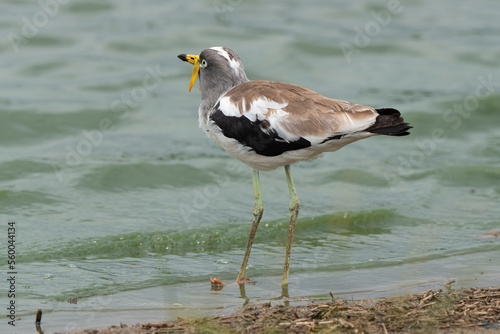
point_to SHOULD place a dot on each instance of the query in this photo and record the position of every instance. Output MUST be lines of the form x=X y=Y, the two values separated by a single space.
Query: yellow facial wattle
x=195 y=60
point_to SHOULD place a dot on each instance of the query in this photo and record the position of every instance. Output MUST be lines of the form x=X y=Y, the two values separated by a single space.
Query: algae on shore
x=475 y=310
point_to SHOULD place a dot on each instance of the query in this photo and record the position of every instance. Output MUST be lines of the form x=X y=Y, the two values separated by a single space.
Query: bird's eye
x=204 y=63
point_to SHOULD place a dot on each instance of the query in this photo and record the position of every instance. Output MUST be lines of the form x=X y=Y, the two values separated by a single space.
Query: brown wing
x=307 y=112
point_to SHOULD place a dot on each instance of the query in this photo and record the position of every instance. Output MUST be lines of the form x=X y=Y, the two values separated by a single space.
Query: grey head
x=220 y=69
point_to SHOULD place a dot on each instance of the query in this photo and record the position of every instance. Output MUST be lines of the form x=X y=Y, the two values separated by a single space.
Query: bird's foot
x=217 y=284
x=245 y=280
x=216 y=281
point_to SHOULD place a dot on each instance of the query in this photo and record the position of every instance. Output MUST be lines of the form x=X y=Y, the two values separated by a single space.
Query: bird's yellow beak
x=195 y=60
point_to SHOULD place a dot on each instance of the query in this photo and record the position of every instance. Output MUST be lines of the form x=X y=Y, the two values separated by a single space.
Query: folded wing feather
x=293 y=111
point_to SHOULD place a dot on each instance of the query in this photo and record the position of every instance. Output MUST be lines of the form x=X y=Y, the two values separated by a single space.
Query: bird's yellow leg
x=294 y=211
x=258 y=209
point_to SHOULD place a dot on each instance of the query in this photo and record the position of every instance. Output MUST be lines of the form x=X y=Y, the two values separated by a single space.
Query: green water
x=121 y=201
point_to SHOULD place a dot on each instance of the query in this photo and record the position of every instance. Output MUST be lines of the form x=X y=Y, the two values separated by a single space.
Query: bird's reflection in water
x=284 y=295
x=217 y=285
x=243 y=295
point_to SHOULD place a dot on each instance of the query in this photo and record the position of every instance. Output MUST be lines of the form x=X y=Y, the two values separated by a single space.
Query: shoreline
x=471 y=310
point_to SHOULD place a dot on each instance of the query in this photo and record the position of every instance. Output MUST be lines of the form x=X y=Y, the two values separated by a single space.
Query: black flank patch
x=335 y=137
x=250 y=134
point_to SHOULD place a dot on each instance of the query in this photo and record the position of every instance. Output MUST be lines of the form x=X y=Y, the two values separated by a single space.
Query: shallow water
x=121 y=201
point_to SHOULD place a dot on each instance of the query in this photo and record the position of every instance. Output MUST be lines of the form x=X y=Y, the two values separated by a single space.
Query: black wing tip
x=388 y=111
x=394 y=130
x=403 y=131
x=390 y=123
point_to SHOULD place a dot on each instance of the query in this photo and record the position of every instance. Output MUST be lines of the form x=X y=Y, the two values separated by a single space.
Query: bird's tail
x=389 y=122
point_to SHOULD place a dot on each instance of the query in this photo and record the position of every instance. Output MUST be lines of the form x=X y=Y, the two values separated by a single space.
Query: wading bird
x=268 y=124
